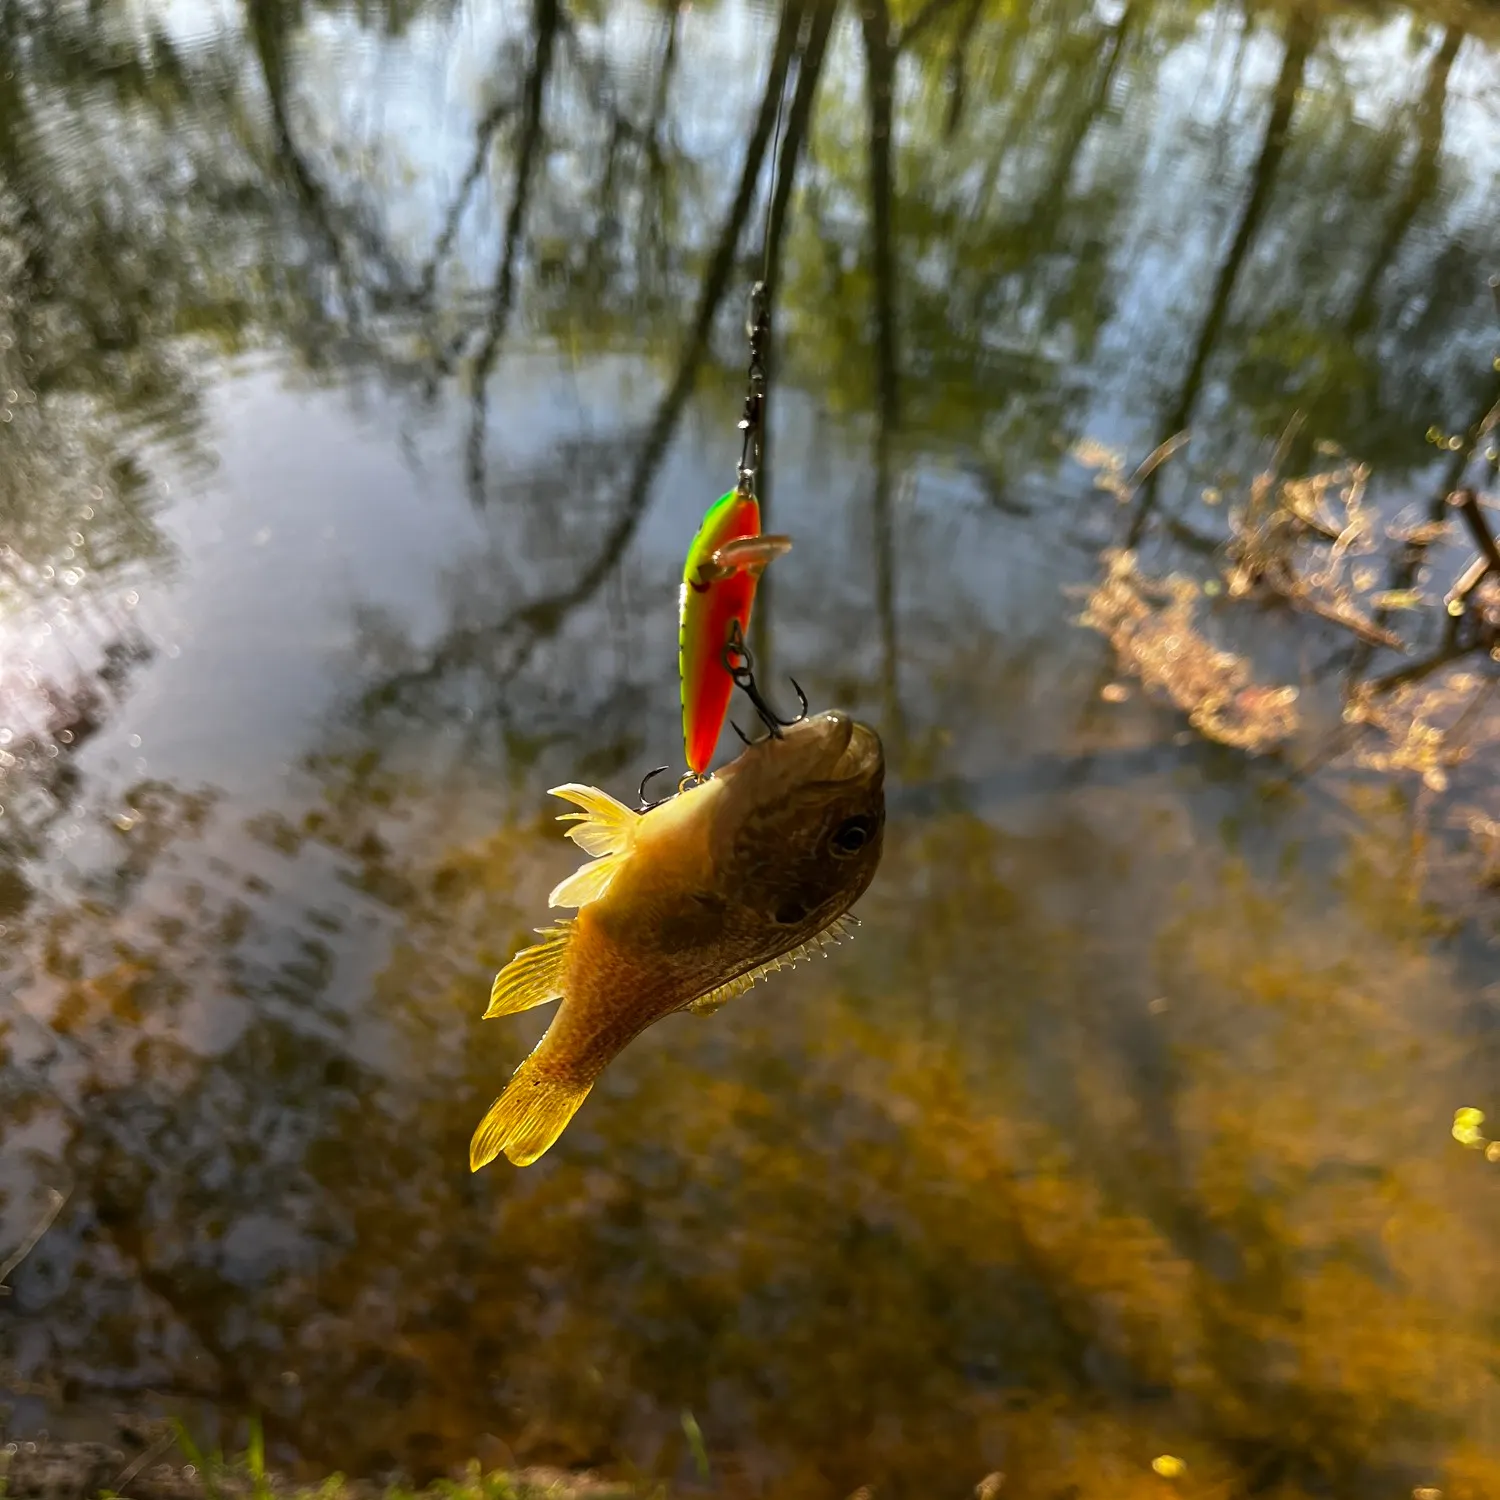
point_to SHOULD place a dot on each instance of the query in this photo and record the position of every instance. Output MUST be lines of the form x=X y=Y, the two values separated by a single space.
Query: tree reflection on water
x=1124 y=1128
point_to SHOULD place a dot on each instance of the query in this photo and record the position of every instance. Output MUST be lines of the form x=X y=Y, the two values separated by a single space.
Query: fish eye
x=851 y=836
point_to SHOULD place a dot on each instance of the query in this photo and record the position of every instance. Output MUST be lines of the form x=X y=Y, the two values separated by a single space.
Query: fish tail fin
x=527 y=1118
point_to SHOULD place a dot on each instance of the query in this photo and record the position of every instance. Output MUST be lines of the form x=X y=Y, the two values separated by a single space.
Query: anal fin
x=533 y=976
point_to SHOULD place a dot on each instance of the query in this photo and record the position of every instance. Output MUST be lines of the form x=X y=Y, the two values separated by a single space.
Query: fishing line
x=732 y=524
x=759 y=323
x=765 y=234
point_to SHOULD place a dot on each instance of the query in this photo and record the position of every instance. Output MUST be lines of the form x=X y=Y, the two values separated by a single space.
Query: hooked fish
x=719 y=580
x=686 y=906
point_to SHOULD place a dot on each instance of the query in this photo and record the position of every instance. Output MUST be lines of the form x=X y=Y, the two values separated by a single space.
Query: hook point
x=641 y=790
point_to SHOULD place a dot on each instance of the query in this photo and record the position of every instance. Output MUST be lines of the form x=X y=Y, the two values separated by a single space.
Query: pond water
x=365 y=369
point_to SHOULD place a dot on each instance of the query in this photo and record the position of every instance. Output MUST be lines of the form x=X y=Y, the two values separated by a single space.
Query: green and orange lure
x=719 y=580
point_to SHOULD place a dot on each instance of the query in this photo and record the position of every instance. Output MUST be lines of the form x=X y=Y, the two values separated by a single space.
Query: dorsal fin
x=534 y=975
x=833 y=934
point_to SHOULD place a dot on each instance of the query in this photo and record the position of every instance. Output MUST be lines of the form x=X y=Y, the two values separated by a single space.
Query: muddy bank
x=146 y=1465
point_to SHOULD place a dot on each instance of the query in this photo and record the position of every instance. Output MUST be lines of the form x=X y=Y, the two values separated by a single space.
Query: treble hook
x=740 y=665
x=685 y=784
x=641 y=790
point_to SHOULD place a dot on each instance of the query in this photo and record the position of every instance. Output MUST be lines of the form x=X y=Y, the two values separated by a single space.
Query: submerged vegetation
x=1415 y=696
x=1150 y=626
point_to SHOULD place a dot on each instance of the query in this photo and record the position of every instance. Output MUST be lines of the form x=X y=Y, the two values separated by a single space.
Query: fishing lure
x=719 y=579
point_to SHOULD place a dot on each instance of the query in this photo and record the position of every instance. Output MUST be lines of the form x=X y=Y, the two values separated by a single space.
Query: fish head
x=799 y=823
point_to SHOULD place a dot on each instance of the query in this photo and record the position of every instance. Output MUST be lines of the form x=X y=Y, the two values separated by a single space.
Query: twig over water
x=29 y=1244
x=1466 y=503
x=152 y=1453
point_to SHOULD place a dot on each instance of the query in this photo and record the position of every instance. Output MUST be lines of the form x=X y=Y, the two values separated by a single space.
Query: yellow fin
x=533 y=976
x=706 y=1005
x=832 y=935
x=587 y=884
x=606 y=830
x=527 y=1118
x=604 y=826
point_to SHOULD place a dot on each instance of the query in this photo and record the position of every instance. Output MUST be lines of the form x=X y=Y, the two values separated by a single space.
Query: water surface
x=365 y=370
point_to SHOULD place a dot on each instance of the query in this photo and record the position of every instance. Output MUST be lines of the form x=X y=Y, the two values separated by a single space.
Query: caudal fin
x=527 y=1118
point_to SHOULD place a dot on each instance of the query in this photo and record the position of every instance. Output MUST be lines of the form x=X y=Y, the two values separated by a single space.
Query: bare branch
x=29 y=1244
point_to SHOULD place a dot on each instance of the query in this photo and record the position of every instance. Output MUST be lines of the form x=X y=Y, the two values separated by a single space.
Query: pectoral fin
x=607 y=830
x=533 y=976
x=605 y=826
x=587 y=884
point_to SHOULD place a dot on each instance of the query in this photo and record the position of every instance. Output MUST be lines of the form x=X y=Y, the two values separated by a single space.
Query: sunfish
x=684 y=907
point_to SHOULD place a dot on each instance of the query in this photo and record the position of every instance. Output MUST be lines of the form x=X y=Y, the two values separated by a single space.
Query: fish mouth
x=832 y=731
x=862 y=755
x=833 y=747
x=828 y=749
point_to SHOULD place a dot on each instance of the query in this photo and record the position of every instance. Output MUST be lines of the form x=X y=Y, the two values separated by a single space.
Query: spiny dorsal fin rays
x=606 y=831
x=831 y=936
x=533 y=976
